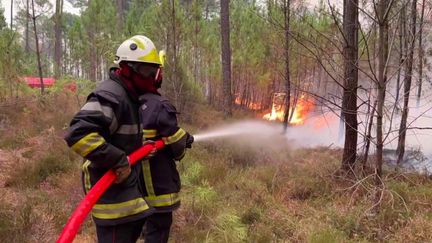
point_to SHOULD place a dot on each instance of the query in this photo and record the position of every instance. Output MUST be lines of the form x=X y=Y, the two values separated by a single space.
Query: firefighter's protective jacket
x=104 y=132
x=160 y=175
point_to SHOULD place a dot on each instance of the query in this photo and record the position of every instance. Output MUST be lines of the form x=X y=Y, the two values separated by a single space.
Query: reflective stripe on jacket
x=104 y=131
x=160 y=175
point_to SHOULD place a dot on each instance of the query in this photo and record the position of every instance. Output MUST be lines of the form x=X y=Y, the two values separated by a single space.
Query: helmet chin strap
x=158 y=78
x=158 y=73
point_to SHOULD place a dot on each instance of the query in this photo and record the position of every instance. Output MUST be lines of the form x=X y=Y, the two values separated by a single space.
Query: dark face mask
x=146 y=77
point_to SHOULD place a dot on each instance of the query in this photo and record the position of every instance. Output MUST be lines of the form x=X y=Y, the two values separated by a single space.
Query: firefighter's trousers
x=122 y=233
x=157 y=227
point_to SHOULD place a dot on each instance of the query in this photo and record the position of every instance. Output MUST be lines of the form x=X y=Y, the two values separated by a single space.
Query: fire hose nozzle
x=189 y=141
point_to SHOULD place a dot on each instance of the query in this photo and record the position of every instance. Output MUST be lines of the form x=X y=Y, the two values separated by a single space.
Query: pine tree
x=2 y=19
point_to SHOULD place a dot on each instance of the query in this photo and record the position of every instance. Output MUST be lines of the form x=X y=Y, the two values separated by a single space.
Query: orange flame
x=274 y=115
x=302 y=108
x=251 y=105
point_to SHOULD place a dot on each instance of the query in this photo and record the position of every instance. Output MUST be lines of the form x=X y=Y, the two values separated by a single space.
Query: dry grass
x=294 y=196
x=40 y=178
x=230 y=193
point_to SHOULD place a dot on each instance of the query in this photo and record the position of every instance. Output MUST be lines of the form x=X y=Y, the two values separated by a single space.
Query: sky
x=6 y=5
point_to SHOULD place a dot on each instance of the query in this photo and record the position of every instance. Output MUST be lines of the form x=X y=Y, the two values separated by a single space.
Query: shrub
x=328 y=235
x=32 y=174
x=251 y=215
x=306 y=187
x=192 y=171
x=230 y=228
x=347 y=222
x=16 y=222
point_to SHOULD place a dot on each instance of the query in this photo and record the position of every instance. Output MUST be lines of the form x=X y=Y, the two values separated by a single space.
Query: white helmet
x=138 y=49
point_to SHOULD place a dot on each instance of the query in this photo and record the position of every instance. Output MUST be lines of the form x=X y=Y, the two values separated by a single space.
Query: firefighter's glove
x=122 y=173
x=189 y=140
x=154 y=150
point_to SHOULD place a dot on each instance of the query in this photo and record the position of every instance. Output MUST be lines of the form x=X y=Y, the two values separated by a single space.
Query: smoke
x=419 y=132
x=316 y=131
x=252 y=130
x=320 y=130
x=325 y=130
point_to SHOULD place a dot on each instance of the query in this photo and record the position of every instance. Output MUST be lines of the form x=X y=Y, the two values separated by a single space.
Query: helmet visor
x=145 y=70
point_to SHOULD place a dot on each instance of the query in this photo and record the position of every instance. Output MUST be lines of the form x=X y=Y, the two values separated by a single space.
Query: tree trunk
x=58 y=39
x=226 y=57
x=381 y=84
x=27 y=36
x=11 y=14
x=174 y=44
x=368 y=137
x=402 y=34
x=407 y=84
x=120 y=15
x=349 y=100
x=92 y=55
x=196 y=62
x=286 y=13
x=421 y=54
x=294 y=105
x=37 y=49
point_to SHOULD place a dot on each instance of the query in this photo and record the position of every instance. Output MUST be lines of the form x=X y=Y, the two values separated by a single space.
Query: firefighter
x=105 y=131
x=161 y=178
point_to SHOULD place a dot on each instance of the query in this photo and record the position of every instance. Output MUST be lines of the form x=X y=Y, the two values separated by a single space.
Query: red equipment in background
x=34 y=82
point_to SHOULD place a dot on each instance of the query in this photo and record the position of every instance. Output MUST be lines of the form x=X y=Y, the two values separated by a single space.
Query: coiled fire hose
x=72 y=226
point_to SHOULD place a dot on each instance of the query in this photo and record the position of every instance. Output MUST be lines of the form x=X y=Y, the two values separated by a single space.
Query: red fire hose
x=72 y=226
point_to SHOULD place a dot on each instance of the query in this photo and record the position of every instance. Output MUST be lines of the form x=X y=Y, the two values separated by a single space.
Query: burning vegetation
x=255 y=106
x=299 y=111
x=301 y=106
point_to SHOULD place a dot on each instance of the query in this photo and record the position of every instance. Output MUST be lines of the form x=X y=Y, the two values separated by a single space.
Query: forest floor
x=231 y=192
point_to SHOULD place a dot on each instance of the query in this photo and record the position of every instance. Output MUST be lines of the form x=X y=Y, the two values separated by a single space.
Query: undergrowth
x=293 y=196
x=232 y=192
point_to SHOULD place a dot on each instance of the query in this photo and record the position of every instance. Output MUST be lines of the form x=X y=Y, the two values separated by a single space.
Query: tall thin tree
x=286 y=13
x=11 y=14
x=120 y=14
x=27 y=20
x=421 y=54
x=226 y=56
x=402 y=50
x=58 y=38
x=174 y=43
x=382 y=14
x=407 y=83
x=37 y=50
x=349 y=100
